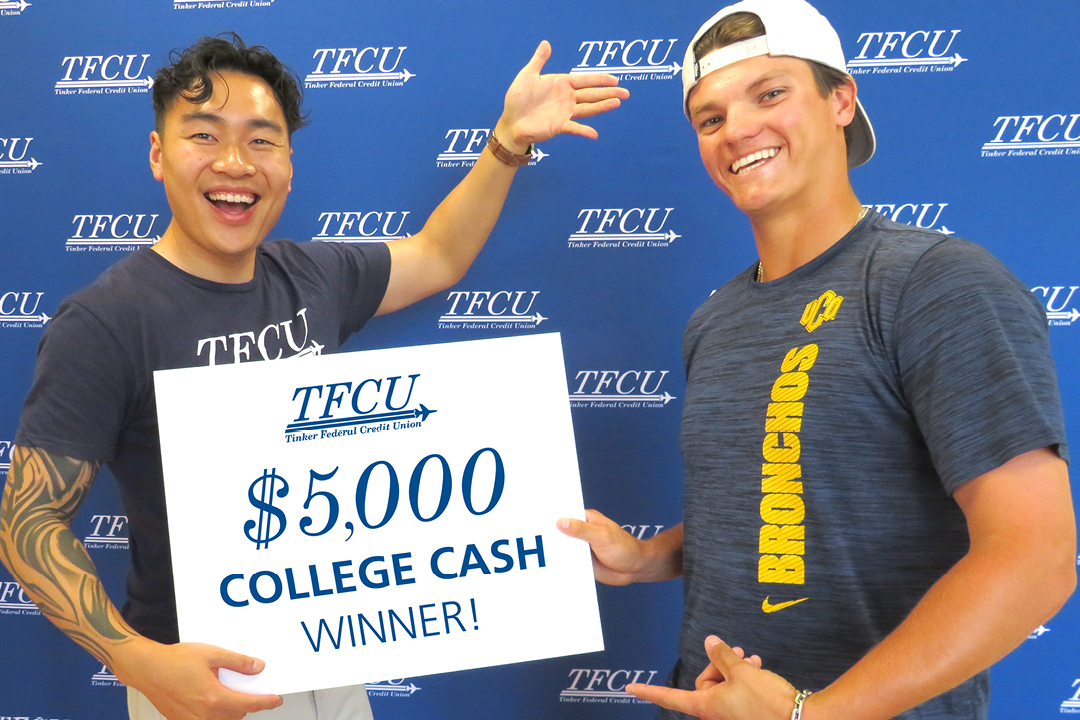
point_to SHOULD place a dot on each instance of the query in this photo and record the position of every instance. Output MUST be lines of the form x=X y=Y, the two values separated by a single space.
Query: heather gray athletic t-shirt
x=93 y=391
x=829 y=416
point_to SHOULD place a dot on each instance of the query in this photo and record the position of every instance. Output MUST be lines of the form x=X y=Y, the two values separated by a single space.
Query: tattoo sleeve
x=37 y=545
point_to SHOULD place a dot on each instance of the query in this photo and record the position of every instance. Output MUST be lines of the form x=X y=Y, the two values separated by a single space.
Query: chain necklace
x=757 y=276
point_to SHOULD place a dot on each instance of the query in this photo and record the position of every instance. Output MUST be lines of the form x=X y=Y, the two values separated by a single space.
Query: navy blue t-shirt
x=93 y=394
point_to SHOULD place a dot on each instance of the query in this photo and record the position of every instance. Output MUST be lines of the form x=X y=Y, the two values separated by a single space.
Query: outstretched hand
x=732 y=687
x=617 y=555
x=539 y=107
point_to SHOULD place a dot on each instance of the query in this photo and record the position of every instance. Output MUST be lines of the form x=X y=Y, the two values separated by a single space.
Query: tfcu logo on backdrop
x=399 y=688
x=22 y=310
x=108 y=233
x=219 y=4
x=5 y=457
x=1034 y=135
x=629 y=59
x=1058 y=301
x=1038 y=632
x=103 y=678
x=107 y=531
x=14 y=600
x=900 y=51
x=104 y=75
x=619 y=389
x=487 y=310
x=464 y=146
x=13 y=7
x=362 y=227
x=623 y=228
x=923 y=215
x=358 y=67
x=594 y=685
x=13 y=160
x=643 y=532
x=1072 y=705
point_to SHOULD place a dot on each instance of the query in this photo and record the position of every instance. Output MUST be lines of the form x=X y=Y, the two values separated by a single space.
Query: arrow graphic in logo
x=394 y=688
x=353 y=239
x=487 y=319
x=669 y=236
x=31 y=163
x=955 y=60
x=674 y=69
x=20 y=6
x=537 y=155
x=147 y=82
x=665 y=398
x=422 y=413
x=1070 y=315
x=403 y=75
x=113 y=241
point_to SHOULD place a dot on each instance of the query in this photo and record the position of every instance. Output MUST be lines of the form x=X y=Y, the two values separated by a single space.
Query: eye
x=772 y=94
x=711 y=123
x=206 y=137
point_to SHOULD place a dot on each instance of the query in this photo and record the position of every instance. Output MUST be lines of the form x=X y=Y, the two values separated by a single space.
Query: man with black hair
x=211 y=292
x=876 y=495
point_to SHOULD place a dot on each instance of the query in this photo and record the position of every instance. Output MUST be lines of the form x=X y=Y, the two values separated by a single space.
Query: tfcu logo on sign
x=21 y=310
x=628 y=59
x=1034 y=135
x=1058 y=302
x=899 y=51
x=361 y=227
x=13 y=160
x=353 y=407
x=104 y=75
x=219 y=4
x=486 y=310
x=1072 y=705
x=604 y=686
x=5 y=457
x=107 y=233
x=15 y=601
x=465 y=145
x=358 y=67
x=13 y=7
x=619 y=389
x=392 y=688
x=922 y=215
x=623 y=228
x=103 y=678
x=107 y=531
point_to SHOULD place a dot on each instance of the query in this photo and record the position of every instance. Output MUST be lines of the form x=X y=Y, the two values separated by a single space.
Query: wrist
x=509 y=139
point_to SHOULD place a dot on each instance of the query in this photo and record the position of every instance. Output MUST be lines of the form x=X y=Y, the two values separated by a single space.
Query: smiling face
x=227 y=169
x=766 y=135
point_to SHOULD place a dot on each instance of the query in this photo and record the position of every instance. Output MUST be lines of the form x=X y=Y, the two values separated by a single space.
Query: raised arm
x=619 y=558
x=537 y=108
x=42 y=494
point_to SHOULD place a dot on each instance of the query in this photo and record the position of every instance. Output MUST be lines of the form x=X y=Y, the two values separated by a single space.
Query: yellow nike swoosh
x=768 y=607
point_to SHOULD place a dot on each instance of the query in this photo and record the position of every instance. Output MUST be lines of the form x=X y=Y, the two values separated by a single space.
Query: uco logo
x=619 y=389
x=465 y=146
x=391 y=688
x=486 y=310
x=15 y=601
x=125 y=231
x=361 y=227
x=899 y=51
x=623 y=228
x=104 y=75
x=21 y=310
x=1072 y=705
x=5 y=457
x=1034 y=135
x=105 y=678
x=923 y=215
x=13 y=157
x=13 y=7
x=1038 y=632
x=219 y=4
x=604 y=686
x=643 y=532
x=107 y=531
x=358 y=67
x=1058 y=302
x=629 y=59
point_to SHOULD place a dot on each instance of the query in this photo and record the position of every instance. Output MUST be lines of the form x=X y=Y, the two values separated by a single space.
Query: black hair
x=188 y=76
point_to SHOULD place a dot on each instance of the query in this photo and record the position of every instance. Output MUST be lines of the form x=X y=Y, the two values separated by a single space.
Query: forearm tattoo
x=43 y=492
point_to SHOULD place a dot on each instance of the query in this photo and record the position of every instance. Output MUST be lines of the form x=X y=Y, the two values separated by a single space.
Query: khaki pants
x=344 y=703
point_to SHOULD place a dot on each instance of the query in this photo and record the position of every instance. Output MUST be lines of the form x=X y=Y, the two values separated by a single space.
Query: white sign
x=389 y=513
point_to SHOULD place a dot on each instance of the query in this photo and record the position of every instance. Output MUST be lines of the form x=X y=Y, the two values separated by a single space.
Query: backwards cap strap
x=722 y=57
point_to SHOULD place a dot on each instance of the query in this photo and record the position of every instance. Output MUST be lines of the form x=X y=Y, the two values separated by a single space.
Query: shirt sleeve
x=359 y=274
x=82 y=391
x=974 y=359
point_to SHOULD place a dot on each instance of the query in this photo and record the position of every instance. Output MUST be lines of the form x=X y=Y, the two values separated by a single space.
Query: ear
x=155 y=155
x=843 y=102
x=290 y=169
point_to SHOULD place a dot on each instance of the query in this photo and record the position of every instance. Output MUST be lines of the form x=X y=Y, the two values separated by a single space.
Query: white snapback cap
x=793 y=28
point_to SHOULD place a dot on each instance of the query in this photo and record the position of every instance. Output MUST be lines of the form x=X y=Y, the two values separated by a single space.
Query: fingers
x=595 y=108
x=579 y=81
x=243 y=664
x=536 y=63
x=721 y=655
x=592 y=528
x=682 y=701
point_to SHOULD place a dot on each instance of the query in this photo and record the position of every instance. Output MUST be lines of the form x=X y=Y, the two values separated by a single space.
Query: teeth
x=753 y=158
x=232 y=197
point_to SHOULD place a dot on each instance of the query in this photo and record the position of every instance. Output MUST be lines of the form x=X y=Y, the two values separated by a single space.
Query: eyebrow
x=751 y=88
x=254 y=123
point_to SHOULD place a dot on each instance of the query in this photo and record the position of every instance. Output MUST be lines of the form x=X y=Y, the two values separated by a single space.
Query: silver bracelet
x=796 y=714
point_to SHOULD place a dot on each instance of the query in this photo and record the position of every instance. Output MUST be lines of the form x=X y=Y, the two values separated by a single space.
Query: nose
x=741 y=123
x=233 y=160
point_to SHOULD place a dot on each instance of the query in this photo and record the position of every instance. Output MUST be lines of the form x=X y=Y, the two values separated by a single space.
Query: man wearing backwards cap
x=877 y=502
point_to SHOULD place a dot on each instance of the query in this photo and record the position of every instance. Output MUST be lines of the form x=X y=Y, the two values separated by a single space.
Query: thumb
x=243 y=664
x=720 y=654
x=536 y=64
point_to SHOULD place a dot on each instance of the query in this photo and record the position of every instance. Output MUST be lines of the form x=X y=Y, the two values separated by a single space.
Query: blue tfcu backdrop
x=611 y=243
